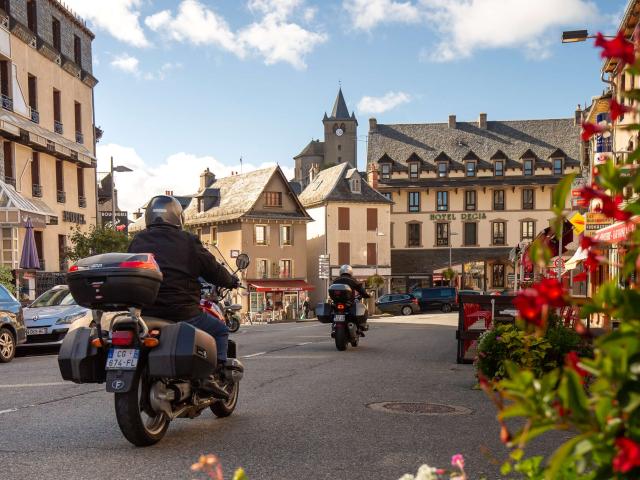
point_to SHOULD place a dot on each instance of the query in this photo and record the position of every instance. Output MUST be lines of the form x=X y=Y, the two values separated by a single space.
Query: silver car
x=52 y=315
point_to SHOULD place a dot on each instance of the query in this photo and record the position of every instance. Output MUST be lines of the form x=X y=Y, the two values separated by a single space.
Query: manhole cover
x=419 y=408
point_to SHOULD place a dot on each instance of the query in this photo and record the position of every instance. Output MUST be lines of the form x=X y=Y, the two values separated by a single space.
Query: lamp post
x=378 y=234
x=450 y=247
x=119 y=169
x=575 y=36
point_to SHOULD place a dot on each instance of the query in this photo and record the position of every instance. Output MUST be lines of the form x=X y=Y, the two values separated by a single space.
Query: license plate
x=122 y=359
x=37 y=331
x=339 y=318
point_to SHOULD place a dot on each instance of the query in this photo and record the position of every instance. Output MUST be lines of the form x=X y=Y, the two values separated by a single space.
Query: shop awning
x=15 y=208
x=281 y=286
x=617 y=232
x=575 y=260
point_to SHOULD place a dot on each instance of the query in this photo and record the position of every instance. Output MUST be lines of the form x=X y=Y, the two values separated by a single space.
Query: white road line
x=10 y=410
x=303 y=343
x=24 y=385
x=254 y=355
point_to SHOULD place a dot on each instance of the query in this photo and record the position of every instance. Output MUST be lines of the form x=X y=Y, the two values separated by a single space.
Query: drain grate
x=419 y=408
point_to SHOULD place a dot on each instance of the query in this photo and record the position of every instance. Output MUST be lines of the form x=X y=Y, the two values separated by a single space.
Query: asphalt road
x=303 y=412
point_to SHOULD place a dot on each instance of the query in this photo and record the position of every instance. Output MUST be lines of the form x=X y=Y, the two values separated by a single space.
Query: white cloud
x=162 y=72
x=367 y=14
x=179 y=173
x=126 y=63
x=118 y=17
x=388 y=101
x=273 y=36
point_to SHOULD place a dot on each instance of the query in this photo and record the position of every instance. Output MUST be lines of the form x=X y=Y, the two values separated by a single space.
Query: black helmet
x=164 y=210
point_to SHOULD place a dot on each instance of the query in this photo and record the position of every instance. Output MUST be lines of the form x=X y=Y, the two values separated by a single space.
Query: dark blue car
x=12 y=329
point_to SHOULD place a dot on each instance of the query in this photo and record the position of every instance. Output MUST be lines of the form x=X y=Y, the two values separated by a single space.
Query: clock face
x=339 y=132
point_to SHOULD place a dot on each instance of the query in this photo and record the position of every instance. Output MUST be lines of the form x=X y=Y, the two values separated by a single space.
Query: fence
x=47 y=280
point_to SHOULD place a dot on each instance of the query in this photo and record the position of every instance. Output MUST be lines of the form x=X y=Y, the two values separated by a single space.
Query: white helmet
x=346 y=269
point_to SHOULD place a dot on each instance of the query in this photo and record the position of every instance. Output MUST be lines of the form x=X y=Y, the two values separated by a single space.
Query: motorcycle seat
x=155 y=323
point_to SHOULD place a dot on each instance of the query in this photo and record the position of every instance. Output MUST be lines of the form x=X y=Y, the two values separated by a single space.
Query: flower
x=505 y=436
x=457 y=461
x=590 y=129
x=617 y=109
x=610 y=205
x=552 y=291
x=529 y=304
x=571 y=361
x=628 y=456
x=619 y=48
x=425 y=472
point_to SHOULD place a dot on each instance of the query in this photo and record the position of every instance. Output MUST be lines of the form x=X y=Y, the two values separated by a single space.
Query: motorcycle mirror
x=242 y=261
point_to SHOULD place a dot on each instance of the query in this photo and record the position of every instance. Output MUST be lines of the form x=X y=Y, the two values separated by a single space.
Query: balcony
x=7 y=102
x=35 y=115
x=57 y=127
x=36 y=190
x=61 y=196
x=79 y=137
x=498 y=241
x=442 y=242
x=10 y=181
x=82 y=201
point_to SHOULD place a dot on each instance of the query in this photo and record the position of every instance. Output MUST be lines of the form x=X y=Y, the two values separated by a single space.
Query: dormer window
x=443 y=169
x=414 y=170
x=470 y=169
x=498 y=168
x=200 y=205
x=558 y=168
x=354 y=183
x=527 y=167
x=385 y=171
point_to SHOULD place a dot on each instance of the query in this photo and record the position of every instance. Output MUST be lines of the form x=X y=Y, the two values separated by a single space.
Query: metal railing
x=10 y=181
x=57 y=127
x=442 y=242
x=82 y=201
x=36 y=190
x=61 y=196
x=35 y=115
x=79 y=137
x=7 y=102
x=498 y=206
x=498 y=240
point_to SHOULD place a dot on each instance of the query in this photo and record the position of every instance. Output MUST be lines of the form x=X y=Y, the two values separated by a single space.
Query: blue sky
x=194 y=83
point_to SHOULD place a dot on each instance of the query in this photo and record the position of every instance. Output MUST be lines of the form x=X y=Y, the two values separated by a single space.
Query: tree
x=6 y=279
x=96 y=241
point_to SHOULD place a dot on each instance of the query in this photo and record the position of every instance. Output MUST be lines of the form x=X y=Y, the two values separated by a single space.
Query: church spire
x=340 y=110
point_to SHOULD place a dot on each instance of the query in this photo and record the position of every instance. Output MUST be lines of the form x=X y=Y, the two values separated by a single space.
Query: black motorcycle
x=158 y=370
x=347 y=315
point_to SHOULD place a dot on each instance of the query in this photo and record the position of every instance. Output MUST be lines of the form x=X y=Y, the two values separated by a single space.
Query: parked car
x=442 y=298
x=12 y=328
x=470 y=292
x=405 y=304
x=52 y=315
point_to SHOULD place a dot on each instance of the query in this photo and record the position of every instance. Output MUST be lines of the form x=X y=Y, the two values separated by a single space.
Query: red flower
x=571 y=360
x=587 y=242
x=610 y=206
x=529 y=303
x=617 y=109
x=619 y=48
x=580 y=277
x=590 y=129
x=628 y=456
x=551 y=290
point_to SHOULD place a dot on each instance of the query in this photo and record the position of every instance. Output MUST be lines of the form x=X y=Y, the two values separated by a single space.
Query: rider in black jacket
x=346 y=278
x=182 y=259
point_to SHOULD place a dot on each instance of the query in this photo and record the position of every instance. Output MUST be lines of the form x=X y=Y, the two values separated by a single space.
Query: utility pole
x=113 y=198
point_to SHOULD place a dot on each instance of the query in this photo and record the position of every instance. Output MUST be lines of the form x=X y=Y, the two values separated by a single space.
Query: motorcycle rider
x=182 y=259
x=346 y=278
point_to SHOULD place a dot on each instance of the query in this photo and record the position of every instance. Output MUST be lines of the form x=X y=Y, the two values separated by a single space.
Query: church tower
x=340 y=135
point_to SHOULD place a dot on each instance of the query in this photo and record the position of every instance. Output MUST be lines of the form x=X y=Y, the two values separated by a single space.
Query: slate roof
x=340 y=110
x=238 y=195
x=513 y=138
x=313 y=148
x=332 y=184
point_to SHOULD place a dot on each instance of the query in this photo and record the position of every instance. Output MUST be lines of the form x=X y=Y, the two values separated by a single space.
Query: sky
x=190 y=84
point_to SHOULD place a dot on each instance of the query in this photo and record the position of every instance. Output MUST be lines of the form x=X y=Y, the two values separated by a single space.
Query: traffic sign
x=578 y=223
x=324 y=269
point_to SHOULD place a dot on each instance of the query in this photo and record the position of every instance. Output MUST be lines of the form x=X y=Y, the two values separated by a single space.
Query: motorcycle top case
x=78 y=360
x=324 y=313
x=341 y=293
x=184 y=352
x=115 y=281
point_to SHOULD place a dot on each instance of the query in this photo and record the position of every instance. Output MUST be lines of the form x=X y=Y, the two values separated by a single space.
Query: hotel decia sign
x=463 y=216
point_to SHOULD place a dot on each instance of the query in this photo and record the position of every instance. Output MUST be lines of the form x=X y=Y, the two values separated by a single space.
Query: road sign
x=578 y=223
x=559 y=262
x=595 y=221
x=324 y=269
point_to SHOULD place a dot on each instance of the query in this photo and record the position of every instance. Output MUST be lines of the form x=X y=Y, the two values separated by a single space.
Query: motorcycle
x=158 y=370
x=223 y=310
x=347 y=315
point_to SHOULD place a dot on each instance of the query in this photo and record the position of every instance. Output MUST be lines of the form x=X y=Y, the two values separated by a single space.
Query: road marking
x=8 y=410
x=23 y=385
x=303 y=343
x=254 y=355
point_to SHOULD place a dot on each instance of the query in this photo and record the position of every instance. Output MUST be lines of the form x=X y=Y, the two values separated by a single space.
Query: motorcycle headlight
x=70 y=318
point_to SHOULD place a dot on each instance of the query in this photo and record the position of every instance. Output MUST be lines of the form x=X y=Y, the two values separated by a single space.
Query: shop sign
x=73 y=217
x=576 y=199
x=594 y=221
x=234 y=253
x=463 y=216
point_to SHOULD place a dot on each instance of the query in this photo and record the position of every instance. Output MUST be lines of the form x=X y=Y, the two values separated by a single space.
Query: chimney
x=373 y=124
x=482 y=121
x=206 y=179
x=373 y=175
x=452 y=121
x=169 y=192
x=137 y=214
x=578 y=116
x=313 y=172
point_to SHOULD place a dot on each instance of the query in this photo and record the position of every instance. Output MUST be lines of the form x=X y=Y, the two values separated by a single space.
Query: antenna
x=240 y=163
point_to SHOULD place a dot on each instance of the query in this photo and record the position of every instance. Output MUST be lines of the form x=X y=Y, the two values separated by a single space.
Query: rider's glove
x=235 y=282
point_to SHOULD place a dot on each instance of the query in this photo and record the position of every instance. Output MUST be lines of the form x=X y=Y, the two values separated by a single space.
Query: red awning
x=617 y=232
x=281 y=286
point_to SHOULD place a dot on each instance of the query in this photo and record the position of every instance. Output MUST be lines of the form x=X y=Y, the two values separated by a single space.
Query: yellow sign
x=594 y=221
x=578 y=223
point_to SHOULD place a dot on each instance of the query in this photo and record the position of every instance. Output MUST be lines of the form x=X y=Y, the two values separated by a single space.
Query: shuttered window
x=372 y=219
x=343 y=218
x=344 y=253
x=372 y=254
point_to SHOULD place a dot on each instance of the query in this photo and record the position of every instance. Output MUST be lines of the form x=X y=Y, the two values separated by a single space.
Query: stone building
x=469 y=191
x=46 y=128
x=340 y=143
x=351 y=226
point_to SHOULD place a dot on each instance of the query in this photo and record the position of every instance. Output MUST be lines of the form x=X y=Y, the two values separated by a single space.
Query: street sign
x=559 y=262
x=578 y=223
x=595 y=221
x=324 y=270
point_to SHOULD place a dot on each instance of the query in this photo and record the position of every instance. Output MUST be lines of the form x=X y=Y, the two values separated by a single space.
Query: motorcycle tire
x=233 y=324
x=341 y=339
x=129 y=413
x=223 y=408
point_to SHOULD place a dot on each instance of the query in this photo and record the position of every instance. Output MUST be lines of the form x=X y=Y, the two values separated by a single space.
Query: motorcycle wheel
x=233 y=324
x=223 y=408
x=341 y=339
x=132 y=413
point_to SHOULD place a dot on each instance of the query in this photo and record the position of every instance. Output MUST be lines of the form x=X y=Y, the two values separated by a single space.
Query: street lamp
x=450 y=245
x=378 y=234
x=575 y=36
x=119 y=169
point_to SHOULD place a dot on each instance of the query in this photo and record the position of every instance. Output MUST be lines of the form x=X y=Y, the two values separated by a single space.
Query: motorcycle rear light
x=340 y=306
x=151 y=342
x=148 y=265
x=122 y=338
x=73 y=268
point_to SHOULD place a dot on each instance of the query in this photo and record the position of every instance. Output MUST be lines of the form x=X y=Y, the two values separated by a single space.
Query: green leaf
x=560 y=193
x=517 y=454
x=558 y=459
x=505 y=469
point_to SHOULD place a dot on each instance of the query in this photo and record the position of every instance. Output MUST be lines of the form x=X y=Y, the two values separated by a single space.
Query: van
x=436 y=298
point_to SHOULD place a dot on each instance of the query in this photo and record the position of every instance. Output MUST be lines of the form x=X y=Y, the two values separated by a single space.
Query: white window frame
x=385 y=174
x=414 y=166
x=265 y=274
x=282 y=229
x=280 y=267
x=266 y=234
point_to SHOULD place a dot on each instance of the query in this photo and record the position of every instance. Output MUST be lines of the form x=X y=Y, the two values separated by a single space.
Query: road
x=303 y=412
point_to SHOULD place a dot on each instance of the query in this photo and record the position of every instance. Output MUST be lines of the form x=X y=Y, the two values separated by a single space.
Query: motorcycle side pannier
x=323 y=312
x=184 y=352
x=78 y=360
x=115 y=281
x=360 y=312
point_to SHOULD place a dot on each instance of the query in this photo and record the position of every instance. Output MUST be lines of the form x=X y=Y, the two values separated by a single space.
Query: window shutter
x=371 y=254
x=344 y=253
x=372 y=219
x=343 y=218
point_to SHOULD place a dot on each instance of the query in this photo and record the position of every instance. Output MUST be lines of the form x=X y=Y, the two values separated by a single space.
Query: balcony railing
x=79 y=137
x=61 y=196
x=10 y=181
x=442 y=242
x=498 y=206
x=498 y=241
x=35 y=115
x=82 y=201
x=7 y=102
x=36 y=190
x=57 y=127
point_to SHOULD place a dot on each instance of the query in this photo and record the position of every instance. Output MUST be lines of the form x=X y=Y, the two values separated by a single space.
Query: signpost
x=595 y=221
x=578 y=223
x=324 y=267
